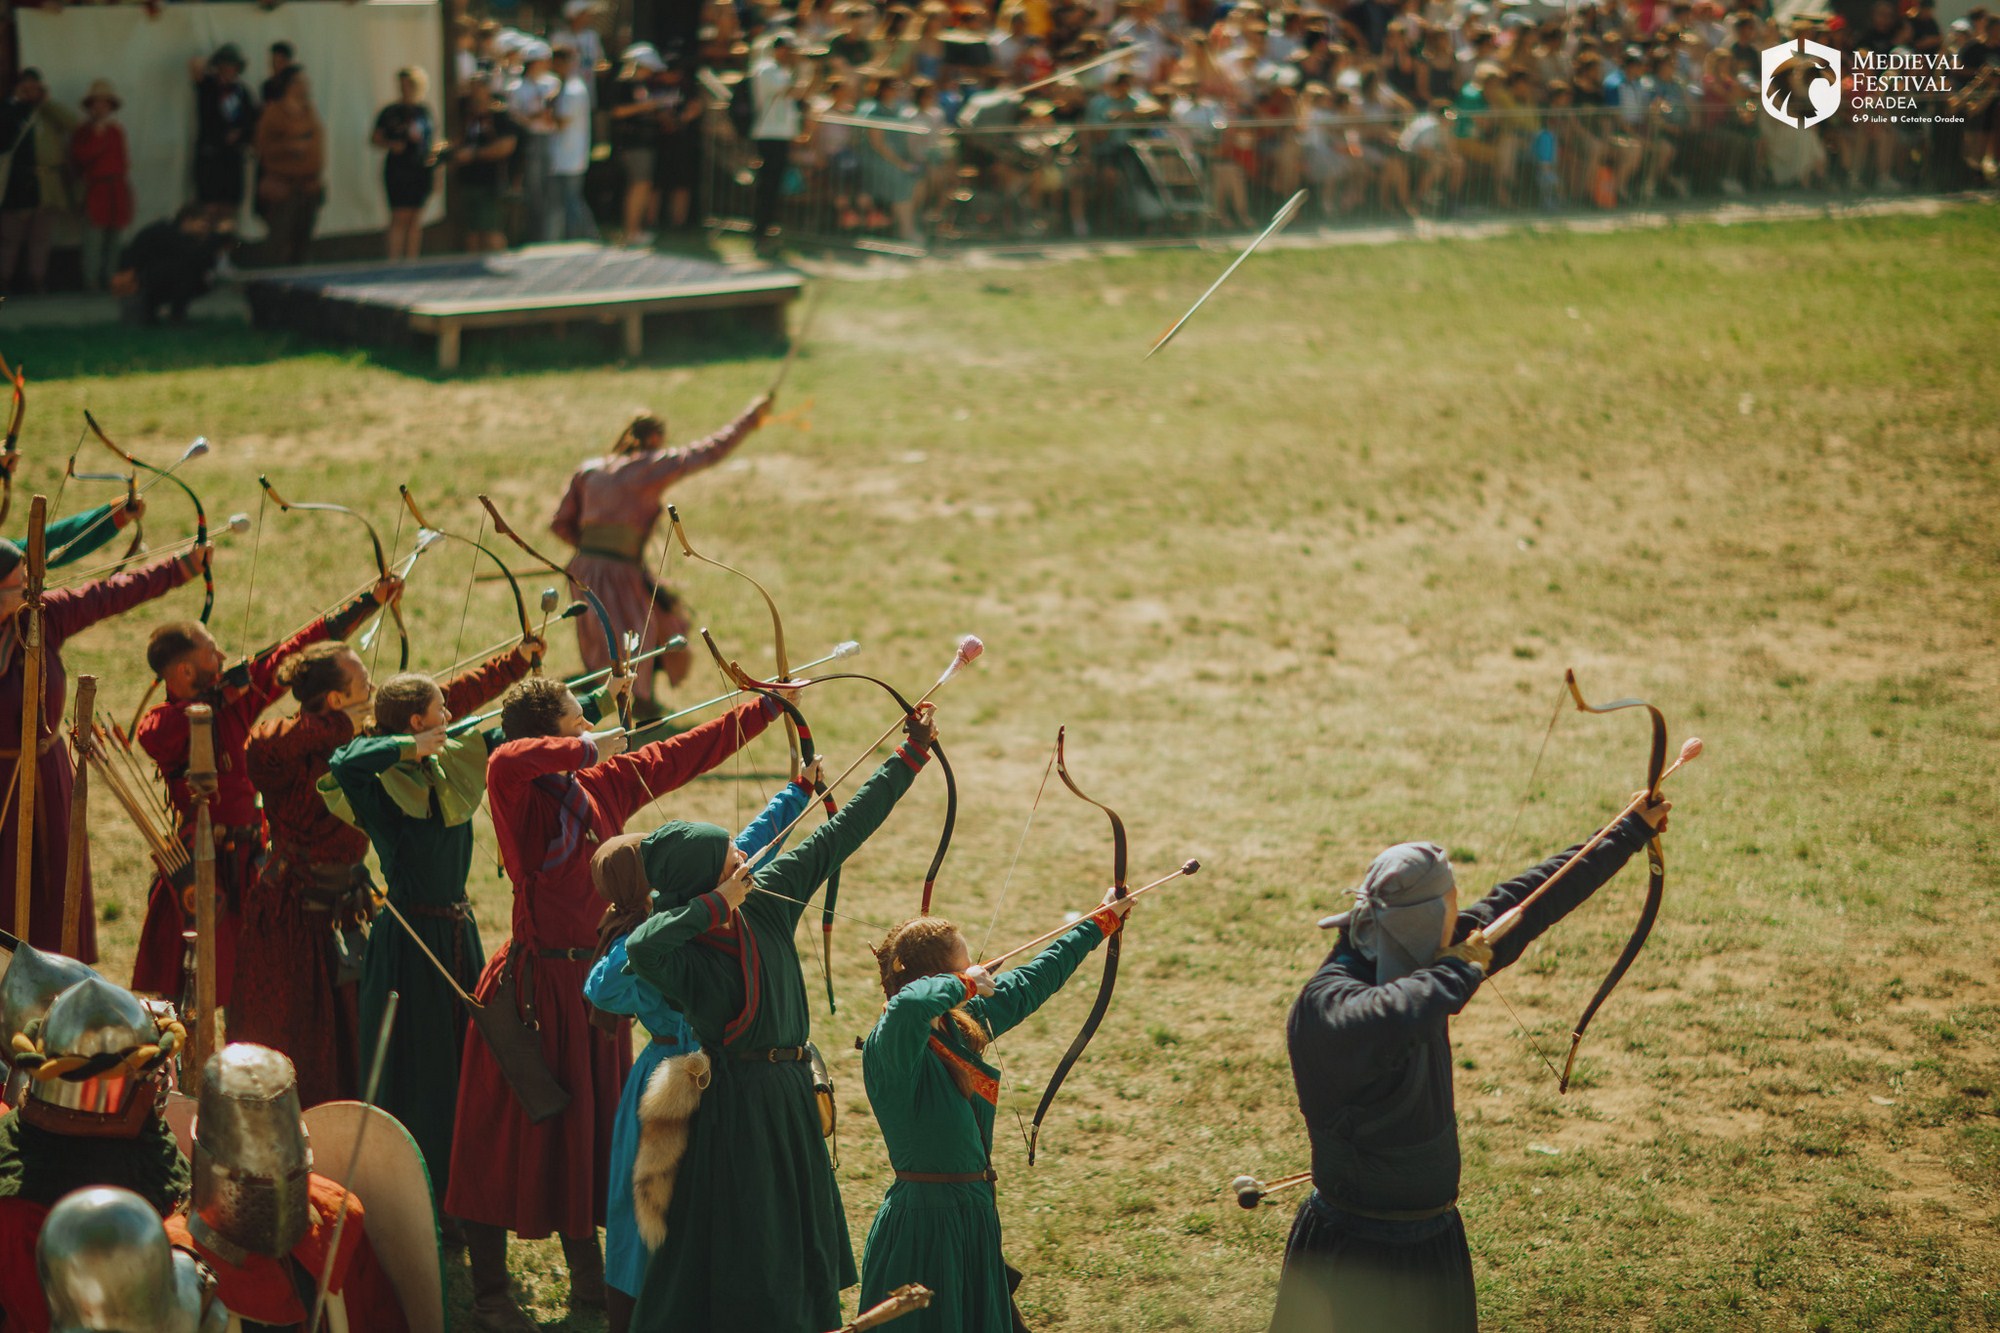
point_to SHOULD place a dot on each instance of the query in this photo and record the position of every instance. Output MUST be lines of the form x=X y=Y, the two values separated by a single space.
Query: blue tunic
x=616 y=991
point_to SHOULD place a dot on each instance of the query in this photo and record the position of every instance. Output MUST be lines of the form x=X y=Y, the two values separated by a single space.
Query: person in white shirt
x=565 y=217
x=775 y=93
x=580 y=33
x=530 y=105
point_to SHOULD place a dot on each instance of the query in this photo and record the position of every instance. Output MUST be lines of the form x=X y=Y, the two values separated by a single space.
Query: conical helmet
x=106 y=1264
x=30 y=980
x=252 y=1162
x=95 y=1060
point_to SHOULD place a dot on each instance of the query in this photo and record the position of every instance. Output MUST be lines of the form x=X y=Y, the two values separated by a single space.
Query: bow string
x=1112 y=948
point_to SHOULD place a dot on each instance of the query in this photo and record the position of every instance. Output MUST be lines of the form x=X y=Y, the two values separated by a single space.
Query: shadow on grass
x=65 y=353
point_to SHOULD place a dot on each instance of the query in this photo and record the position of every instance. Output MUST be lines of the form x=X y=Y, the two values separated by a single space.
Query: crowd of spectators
x=1029 y=117
x=1397 y=107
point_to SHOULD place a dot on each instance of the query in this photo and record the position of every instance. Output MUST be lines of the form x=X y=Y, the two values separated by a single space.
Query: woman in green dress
x=934 y=1096
x=412 y=785
x=755 y=1234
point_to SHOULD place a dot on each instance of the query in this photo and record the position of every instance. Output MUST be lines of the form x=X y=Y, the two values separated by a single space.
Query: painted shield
x=395 y=1189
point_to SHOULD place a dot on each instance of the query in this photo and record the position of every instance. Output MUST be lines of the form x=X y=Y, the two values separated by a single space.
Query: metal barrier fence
x=896 y=186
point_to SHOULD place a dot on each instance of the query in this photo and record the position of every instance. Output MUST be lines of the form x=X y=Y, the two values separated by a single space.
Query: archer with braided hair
x=411 y=782
x=935 y=1096
x=303 y=914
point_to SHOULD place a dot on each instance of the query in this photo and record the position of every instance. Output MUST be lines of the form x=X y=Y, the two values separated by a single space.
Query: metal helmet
x=30 y=980
x=96 y=1061
x=106 y=1264
x=251 y=1157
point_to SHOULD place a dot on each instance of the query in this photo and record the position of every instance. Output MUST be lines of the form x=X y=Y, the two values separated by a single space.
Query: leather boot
x=618 y=1308
x=493 y=1308
x=586 y=1272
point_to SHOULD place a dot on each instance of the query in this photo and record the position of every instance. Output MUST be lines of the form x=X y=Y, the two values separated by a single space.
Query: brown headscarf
x=620 y=879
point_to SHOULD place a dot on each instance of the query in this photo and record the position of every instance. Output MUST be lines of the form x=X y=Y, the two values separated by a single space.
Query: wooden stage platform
x=542 y=284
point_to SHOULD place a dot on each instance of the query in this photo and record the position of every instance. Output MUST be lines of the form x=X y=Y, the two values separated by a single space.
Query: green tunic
x=756 y=1236
x=947 y=1236
x=41 y=1165
x=70 y=539
x=425 y=864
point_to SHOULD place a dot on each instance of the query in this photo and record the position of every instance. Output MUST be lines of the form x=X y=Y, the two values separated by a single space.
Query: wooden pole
x=201 y=780
x=81 y=742
x=29 y=760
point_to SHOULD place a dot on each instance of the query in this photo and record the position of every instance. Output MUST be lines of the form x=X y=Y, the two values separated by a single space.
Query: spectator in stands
x=776 y=92
x=1111 y=114
x=282 y=57
x=98 y=155
x=487 y=141
x=169 y=264
x=677 y=162
x=579 y=33
x=1427 y=144
x=225 y=116
x=635 y=135
x=34 y=138
x=532 y=106
x=1437 y=75
x=892 y=162
x=407 y=133
x=291 y=156
x=566 y=217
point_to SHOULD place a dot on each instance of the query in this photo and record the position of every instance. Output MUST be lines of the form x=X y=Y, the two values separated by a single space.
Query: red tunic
x=239 y=825
x=23 y=1308
x=66 y=612
x=98 y=153
x=552 y=1178
x=262 y=1290
x=287 y=995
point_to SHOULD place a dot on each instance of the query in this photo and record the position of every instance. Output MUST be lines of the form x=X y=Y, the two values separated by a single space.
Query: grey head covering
x=1399 y=907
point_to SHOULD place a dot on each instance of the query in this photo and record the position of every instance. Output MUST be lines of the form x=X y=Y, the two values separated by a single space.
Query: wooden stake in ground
x=81 y=742
x=201 y=781
x=1278 y=224
x=27 y=763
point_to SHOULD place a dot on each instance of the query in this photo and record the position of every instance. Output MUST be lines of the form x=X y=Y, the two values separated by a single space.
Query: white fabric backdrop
x=351 y=53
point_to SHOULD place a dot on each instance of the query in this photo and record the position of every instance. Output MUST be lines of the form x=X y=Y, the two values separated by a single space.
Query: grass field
x=1302 y=586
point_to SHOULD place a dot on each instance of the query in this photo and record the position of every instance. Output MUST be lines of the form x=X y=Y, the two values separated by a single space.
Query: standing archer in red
x=557 y=789
x=186 y=658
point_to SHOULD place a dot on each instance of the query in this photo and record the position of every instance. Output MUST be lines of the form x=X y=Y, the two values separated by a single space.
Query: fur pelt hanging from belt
x=672 y=1096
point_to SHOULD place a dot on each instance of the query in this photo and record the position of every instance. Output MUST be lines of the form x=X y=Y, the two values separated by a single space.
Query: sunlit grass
x=1304 y=585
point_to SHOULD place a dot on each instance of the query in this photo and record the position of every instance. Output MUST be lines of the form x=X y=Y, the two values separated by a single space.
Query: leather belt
x=458 y=912
x=611 y=541
x=949 y=1177
x=773 y=1055
x=567 y=955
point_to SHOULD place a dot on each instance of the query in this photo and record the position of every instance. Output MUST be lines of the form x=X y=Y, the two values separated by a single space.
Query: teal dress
x=947 y=1235
x=426 y=860
x=756 y=1235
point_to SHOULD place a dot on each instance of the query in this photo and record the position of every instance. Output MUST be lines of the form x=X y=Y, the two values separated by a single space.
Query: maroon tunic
x=66 y=612
x=287 y=993
x=608 y=514
x=536 y=1180
x=239 y=825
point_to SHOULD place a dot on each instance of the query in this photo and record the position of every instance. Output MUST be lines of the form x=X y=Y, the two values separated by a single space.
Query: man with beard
x=188 y=661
